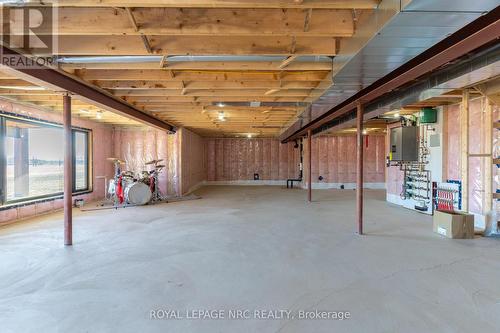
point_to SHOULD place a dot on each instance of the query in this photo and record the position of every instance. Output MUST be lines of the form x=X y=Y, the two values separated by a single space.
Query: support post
x=488 y=161
x=21 y=163
x=464 y=149
x=359 y=168
x=309 y=164
x=68 y=171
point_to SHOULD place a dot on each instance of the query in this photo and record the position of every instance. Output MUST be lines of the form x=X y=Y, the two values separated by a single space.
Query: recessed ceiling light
x=221 y=105
x=396 y=115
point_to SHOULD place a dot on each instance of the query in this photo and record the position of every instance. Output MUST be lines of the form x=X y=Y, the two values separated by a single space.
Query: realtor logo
x=30 y=31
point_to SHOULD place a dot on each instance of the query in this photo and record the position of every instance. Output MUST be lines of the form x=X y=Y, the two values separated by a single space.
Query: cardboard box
x=453 y=225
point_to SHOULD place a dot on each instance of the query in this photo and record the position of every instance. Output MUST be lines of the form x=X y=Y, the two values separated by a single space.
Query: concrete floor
x=255 y=248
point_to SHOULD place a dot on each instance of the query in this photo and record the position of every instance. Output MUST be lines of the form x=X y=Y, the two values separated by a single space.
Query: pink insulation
x=239 y=159
x=334 y=159
x=193 y=164
x=452 y=153
x=136 y=146
x=477 y=145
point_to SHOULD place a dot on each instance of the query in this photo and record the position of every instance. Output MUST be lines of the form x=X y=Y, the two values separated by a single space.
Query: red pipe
x=359 y=168
x=68 y=171
x=309 y=172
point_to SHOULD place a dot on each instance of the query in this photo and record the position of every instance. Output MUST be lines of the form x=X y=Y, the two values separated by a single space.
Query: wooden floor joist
x=299 y=33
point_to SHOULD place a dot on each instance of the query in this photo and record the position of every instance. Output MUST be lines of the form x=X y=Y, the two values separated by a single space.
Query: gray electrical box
x=404 y=145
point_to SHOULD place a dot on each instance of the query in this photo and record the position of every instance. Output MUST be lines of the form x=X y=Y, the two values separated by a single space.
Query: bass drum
x=137 y=193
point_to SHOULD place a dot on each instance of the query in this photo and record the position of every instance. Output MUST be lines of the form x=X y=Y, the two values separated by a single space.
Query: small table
x=289 y=182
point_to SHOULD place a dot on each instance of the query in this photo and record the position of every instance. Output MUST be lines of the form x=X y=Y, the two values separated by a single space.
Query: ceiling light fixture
x=98 y=115
x=396 y=115
x=221 y=116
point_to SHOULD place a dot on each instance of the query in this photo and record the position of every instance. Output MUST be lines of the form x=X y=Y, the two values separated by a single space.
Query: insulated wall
x=193 y=169
x=182 y=153
x=136 y=146
x=479 y=134
x=102 y=138
x=231 y=160
x=480 y=139
x=334 y=160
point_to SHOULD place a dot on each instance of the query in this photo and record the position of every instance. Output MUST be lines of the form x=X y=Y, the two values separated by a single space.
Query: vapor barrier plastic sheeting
x=138 y=146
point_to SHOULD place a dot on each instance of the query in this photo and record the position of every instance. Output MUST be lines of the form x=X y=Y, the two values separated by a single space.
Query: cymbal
x=114 y=159
x=154 y=161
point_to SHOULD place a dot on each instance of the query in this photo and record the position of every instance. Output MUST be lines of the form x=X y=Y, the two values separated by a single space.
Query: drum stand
x=157 y=195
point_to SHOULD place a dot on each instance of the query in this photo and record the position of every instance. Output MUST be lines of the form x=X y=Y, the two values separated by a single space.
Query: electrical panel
x=403 y=145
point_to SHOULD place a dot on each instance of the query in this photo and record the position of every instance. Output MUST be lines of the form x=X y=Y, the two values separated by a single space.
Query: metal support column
x=309 y=165
x=68 y=171
x=359 y=168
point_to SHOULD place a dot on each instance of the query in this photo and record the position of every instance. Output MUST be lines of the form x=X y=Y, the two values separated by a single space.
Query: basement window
x=32 y=159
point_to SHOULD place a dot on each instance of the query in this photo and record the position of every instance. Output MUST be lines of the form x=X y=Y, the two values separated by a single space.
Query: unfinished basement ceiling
x=17 y=90
x=219 y=68
x=419 y=25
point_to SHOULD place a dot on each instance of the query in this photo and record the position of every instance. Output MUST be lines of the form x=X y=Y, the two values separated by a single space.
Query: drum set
x=135 y=189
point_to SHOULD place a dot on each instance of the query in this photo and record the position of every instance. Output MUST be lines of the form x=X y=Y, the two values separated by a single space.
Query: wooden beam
x=213 y=92
x=285 y=63
x=130 y=17
x=464 y=149
x=163 y=62
x=210 y=65
x=160 y=100
x=201 y=22
x=307 y=20
x=271 y=91
x=164 y=75
x=14 y=83
x=271 y=84
x=196 y=45
x=293 y=45
x=146 y=43
x=330 y=4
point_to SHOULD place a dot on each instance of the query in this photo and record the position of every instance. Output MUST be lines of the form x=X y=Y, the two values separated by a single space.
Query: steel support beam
x=359 y=168
x=59 y=81
x=480 y=32
x=68 y=171
x=309 y=164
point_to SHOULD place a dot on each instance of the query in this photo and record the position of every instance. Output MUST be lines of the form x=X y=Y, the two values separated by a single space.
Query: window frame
x=4 y=116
